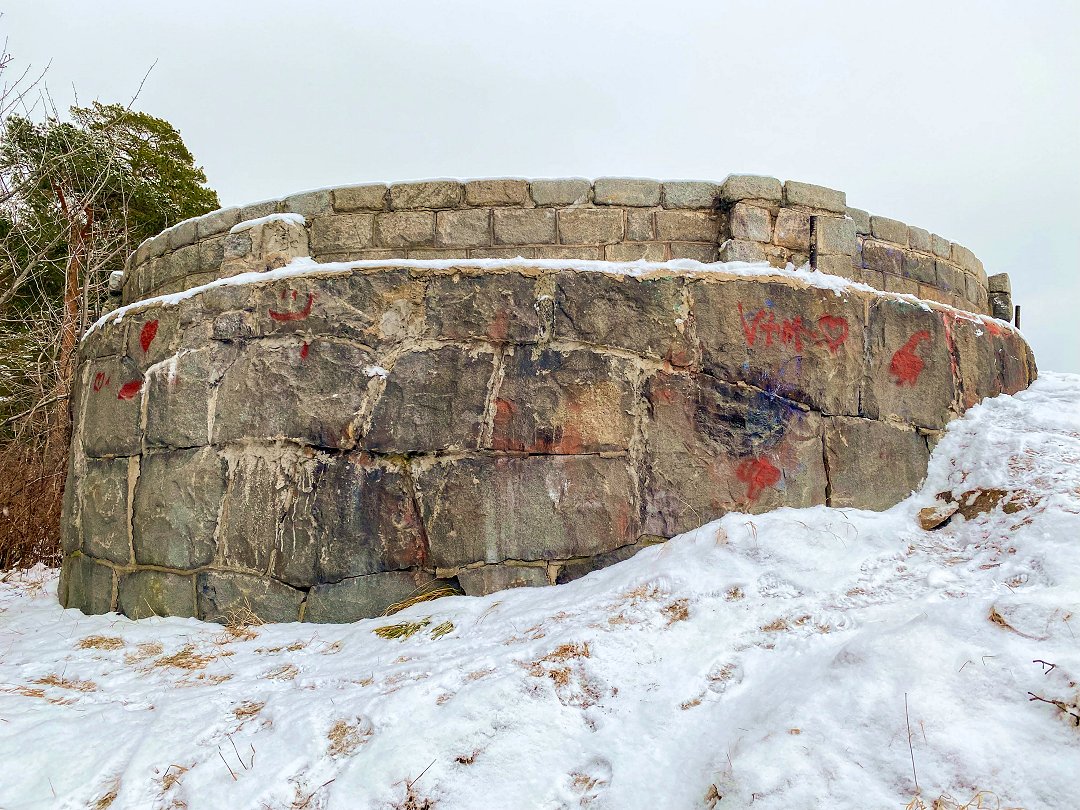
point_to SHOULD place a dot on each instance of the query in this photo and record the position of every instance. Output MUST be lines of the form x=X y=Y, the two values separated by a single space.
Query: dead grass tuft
x=247 y=709
x=185 y=658
x=100 y=643
x=677 y=611
x=106 y=800
x=171 y=777
x=148 y=649
x=347 y=737
x=61 y=682
x=285 y=672
x=440 y=630
x=982 y=800
x=421 y=596
x=402 y=630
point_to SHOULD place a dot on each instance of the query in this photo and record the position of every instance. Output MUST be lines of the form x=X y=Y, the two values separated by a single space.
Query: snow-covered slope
x=775 y=661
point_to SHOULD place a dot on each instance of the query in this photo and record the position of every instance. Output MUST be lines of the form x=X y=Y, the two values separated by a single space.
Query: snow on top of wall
x=248 y=224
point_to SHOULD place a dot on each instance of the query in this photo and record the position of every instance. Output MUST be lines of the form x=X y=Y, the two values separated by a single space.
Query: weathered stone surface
x=573 y=191
x=366 y=197
x=70 y=508
x=224 y=595
x=590 y=226
x=310 y=203
x=211 y=255
x=909 y=375
x=264 y=246
x=640 y=225
x=260 y=209
x=741 y=250
x=919 y=239
x=751 y=187
x=349 y=516
x=503 y=191
x=827 y=199
x=563 y=402
x=698 y=251
x=433 y=400
x=861 y=219
x=1001 y=305
x=890 y=230
x=499 y=308
x=143 y=594
x=629 y=191
x=535 y=226
x=636 y=251
x=104 y=510
x=647 y=316
x=364 y=597
x=860 y=451
x=491 y=578
x=687 y=226
x=803 y=344
x=179 y=395
x=427 y=194
x=587 y=253
x=690 y=194
x=151 y=336
x=949 y=277
x=712 y=447
x=181 y=234
x=967 y=260
x=405 y=229
x=502 y=253
x=882 y=257
x=940 y=246
x=466 y=228
x=835 y=265
x=177 y=503
x=111 y=408
x=835 y=236
x=920 y=267
x=306 y=391
x=900 y=284
x=792 y=229
x=999 y=283
x=751 y=222
x=85 y=585
x=341 y=232
x=564 y=506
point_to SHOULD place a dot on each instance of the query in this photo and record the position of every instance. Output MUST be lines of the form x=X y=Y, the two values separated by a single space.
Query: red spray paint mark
x=101 y=380
x=834 y=331
x=147 y=335
x=304 y=350
x=757 y=474
x=906 y=366
x=993 y=328
x=129 y=389
x=831 y=330
x=296 y=315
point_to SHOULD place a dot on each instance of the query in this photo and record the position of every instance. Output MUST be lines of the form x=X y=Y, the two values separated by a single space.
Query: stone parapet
x=744 y=218
x=319 y=443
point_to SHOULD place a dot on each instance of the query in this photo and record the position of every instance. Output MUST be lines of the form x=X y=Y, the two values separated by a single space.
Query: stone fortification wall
x=744 y=218
x=319 y=443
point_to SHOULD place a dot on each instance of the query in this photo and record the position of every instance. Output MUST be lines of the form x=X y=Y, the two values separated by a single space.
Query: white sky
x=961 y=117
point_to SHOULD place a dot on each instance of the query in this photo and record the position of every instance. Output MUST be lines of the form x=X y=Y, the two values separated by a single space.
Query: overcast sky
x=960 y=117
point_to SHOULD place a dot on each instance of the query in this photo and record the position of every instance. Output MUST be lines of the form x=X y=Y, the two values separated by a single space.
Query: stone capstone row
x=321 y=445
x=745 y=218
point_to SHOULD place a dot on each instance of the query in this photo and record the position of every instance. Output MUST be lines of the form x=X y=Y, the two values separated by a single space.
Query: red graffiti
x=757 y=474
x=147 y=335
x=906 y=366
x=101 y=379
x=830 y=330
x=304 y=351
x=294 y=315
x=129 y=389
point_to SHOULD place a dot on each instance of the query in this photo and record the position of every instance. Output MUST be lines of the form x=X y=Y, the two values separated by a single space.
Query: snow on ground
x=773 y=661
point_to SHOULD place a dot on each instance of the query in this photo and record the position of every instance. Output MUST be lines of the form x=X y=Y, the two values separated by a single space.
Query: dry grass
x=107 y=798
x=440 y=630
x=38 y=694
x=171 y=777
x=285 y=672
x=185 y=658
x=100 y=643
x=61 y=682
x=677 y=611
x=247 y=709
x=982 y=800
x=421 y=596
x=347 y=737
x=148 y=649
x=402 y=630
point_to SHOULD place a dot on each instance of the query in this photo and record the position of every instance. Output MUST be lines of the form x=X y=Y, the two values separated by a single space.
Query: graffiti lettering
x=293 y=315
x=830 y=330
x=906 y=366
x=757 y=474
x=129 y=390
x=147 y=335
x=101 y=379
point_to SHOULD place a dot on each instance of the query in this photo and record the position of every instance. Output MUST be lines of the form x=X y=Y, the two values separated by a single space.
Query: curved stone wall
x=744 y=218
x=322 y=441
